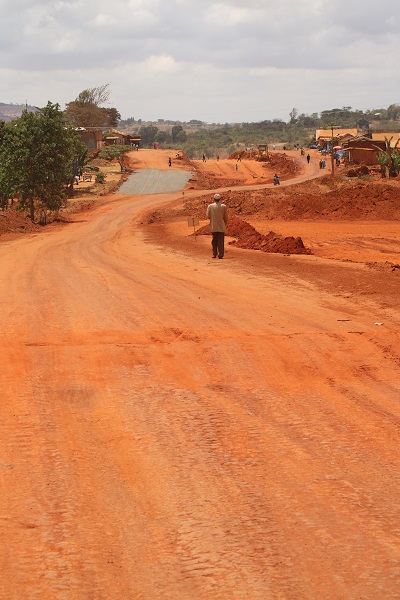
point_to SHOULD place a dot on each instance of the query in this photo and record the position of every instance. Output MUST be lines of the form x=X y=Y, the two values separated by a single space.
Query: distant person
x=204 y=157
x=237 y=166
x=308 y=158
x=273 y=147
x=218 y=215
x=277 y=181
x=217 y=156
x=323 y=162
x=169 y=161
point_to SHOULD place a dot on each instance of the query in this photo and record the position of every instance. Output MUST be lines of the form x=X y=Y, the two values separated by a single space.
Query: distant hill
x=9 y=112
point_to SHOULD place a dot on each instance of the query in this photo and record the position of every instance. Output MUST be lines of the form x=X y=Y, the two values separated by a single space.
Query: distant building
x=116 y=137
x=324 y=136
x=363 y=150
x=379 y=136
x=92 y=137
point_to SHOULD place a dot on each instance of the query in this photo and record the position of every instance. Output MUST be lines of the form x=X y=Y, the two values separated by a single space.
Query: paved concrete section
x=154 y=181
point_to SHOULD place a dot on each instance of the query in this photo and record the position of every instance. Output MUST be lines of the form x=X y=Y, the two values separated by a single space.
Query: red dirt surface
x=180 y=428
x=248 y=237
x=14 y=222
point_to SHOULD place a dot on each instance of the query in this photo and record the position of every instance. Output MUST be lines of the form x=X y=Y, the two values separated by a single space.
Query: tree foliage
x=86 y=109
x=95 y=96
x=389 y=158
x=37 y=153
x=294 y=113
x=174 y=132
x=116 y=152
x=148 y=135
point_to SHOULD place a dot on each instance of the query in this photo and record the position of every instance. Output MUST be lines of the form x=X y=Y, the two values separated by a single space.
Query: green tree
x=383 y=160
x=293 y=116
x=362 y=123
x=86 y=109
x=393 y=112
x=148 y=134
x=36 y=159
x=181 y=137
x=174 y=132
x=116 y=152
x=389 y=158
x=5 y=180
x=163 y=137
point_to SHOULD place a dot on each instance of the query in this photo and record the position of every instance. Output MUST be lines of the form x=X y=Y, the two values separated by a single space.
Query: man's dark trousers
x=218 y=243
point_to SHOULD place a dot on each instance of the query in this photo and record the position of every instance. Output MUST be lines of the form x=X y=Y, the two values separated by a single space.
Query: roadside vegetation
x=389 y=159
x=39 y=157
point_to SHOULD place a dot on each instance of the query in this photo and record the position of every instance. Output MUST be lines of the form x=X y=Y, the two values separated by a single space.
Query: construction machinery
x=263 y=154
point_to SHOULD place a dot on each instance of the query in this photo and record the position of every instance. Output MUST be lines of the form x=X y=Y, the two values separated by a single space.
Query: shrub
x=100 y=177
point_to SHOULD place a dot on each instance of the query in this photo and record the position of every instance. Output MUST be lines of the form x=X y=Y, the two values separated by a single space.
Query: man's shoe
x=214 y=256
x=220 y=257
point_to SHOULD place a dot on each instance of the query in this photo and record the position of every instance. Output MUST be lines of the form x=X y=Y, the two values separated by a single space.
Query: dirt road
x=178 y=429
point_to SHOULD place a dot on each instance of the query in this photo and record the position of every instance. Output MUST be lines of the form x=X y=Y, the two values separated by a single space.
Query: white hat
x=217 y=197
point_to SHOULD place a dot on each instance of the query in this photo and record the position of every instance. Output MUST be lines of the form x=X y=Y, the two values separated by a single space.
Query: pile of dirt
x=14 y=222
x=321 y=199
x=244 y=155
x=206 y=181
x=248 y=237
x=279 y=162
x=360 y=171
x=285 y=166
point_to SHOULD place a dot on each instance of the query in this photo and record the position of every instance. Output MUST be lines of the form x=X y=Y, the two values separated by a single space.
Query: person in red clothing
x=218 y=215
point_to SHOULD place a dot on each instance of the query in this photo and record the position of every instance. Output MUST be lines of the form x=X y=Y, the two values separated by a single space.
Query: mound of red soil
x=282 y=164
x=13 y=221
x=322 y=199
x=361 y=171
x=285 y=166
x=248 y=237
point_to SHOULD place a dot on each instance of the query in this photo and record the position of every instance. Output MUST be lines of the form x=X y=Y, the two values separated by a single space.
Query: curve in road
x=178 y=429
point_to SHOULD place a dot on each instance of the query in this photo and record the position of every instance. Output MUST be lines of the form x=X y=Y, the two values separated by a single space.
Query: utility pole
x=332 y=160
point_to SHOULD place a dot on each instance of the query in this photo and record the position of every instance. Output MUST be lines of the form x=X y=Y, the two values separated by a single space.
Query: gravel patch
x=154 y=181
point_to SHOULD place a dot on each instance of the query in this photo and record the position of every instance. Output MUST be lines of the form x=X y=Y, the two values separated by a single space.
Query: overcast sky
x=226 y=61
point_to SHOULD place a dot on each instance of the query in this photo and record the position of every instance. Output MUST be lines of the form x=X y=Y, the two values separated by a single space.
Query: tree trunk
x=32 y=209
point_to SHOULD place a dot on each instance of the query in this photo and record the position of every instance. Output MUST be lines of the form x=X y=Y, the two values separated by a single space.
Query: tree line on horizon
x=196 y=137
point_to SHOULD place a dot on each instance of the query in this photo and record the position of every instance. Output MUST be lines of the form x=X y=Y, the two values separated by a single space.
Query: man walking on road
x=218 y=215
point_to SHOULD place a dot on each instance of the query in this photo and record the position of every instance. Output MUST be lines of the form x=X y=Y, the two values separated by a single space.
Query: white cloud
x=223 y=15
x=159 y=65
x=216 y=60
